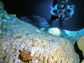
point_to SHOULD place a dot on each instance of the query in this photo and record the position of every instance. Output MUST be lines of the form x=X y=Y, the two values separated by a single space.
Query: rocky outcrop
x=73 y=36
x=80 y=44
x=82 y=61
x=36 y=49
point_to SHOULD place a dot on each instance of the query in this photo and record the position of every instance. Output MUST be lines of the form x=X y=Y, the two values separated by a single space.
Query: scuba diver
x=61 y=10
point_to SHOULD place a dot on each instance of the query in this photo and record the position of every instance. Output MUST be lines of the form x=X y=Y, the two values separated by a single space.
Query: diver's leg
x=61 y=23
x=52 y=19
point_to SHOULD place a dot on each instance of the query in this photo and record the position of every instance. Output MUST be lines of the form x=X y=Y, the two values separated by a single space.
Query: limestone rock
x=73 y=36
x=37 y=21
x=80 y=43
x=43 y=48
x=82 y=61
x=21 y=43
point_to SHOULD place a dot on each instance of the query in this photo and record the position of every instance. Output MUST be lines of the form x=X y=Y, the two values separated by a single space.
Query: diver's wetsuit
x=54 y=3
x=61 y=10
x=55 y=17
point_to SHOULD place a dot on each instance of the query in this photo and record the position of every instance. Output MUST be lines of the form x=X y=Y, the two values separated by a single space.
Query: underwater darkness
x=42 y=8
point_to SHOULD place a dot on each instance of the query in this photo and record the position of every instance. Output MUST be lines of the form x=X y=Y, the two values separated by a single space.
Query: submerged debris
x=25 y=56
x=19 y=36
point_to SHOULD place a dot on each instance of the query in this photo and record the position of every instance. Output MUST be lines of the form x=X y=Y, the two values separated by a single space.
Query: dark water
x=42 y=8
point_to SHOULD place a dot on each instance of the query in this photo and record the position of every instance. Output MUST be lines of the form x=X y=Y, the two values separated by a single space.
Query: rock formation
x=21 y=43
